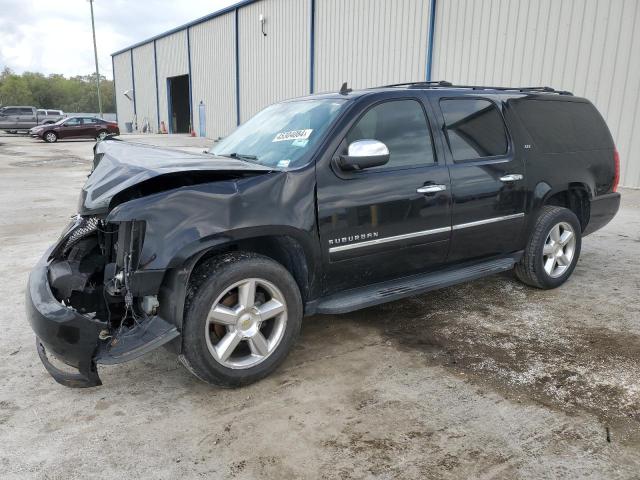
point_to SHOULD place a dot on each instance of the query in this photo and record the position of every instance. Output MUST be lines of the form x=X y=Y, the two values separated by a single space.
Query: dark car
x=320 y=205
x=75 y=127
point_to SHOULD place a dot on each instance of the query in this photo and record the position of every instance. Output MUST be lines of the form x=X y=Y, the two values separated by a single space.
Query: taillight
x=616 y=170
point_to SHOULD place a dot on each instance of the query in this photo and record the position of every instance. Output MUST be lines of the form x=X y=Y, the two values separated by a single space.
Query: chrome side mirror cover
x=363 y=154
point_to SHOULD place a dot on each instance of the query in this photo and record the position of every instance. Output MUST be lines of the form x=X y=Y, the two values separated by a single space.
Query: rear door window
x=474 y=128
x=558 y=126
x=26 y=111
x=402 y=126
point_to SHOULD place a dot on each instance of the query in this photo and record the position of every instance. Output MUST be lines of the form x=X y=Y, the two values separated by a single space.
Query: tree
x=75 y=94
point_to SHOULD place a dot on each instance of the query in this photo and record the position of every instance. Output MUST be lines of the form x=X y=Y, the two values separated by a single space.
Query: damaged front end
x=90 y=302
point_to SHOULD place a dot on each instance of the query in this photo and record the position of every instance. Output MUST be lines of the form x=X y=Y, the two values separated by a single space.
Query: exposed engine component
x=150 y=304
x=77 y=270
x=65 y=277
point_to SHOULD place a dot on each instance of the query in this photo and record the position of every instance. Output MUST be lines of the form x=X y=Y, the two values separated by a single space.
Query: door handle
x=431 y=189
x=512 y=177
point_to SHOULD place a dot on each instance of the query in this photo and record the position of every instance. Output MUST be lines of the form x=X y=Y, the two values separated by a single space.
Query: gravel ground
x=489 y=379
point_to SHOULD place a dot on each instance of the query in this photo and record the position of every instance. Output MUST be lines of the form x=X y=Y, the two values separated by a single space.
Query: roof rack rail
x=437 y=83
x=444 y=83
x=516 y=89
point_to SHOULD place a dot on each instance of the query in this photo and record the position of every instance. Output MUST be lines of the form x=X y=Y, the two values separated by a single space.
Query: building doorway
x=179 y=105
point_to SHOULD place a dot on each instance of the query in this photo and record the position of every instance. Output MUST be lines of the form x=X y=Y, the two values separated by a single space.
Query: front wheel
x=553 y=249
x=50 y=137
x=242 y=316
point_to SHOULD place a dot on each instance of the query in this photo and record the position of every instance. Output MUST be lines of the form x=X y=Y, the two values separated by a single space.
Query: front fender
x=186 y=220
x=184 y=224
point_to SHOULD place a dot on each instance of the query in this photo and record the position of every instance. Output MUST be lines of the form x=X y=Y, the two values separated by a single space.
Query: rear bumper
x=67 y=334
x=603 y=209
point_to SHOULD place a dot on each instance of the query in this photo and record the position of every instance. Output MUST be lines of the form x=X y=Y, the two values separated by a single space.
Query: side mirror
x=364 y=154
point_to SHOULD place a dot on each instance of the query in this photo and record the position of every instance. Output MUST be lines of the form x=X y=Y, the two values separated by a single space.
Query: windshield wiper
x=241 y=156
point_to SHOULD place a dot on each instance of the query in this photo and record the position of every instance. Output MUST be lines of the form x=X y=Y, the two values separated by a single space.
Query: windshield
x=282 y=135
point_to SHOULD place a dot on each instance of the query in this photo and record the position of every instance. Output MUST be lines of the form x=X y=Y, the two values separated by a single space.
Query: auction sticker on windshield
x=293 y=135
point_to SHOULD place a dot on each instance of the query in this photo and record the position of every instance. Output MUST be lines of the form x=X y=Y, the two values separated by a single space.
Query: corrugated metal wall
x=370 y=42
x=172 y=61
x=123 y=80
x=275 y=66
x=589 y=47
x=213 y=70
x=145 y=92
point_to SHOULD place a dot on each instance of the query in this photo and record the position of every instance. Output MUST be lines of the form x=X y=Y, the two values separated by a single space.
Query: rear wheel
x=553 y=249
x=101 y=135
x=50 y=137
x=242 y=316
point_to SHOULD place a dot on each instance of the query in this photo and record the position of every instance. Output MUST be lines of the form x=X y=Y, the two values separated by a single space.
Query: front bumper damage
x=69 y=335
x=80 y=334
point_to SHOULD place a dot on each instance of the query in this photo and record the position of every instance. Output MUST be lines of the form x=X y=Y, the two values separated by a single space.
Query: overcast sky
x=54 y=36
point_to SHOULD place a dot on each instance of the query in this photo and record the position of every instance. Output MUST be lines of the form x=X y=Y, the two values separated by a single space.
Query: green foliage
x=75 y=94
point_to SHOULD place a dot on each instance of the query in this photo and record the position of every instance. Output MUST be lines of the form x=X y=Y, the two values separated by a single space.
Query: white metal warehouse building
x=217 y=71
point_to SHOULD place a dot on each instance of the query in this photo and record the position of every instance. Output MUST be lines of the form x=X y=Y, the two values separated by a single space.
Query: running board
x=391 y=290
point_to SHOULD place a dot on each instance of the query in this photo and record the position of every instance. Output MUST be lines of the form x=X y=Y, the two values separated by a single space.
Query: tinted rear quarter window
x=474 y=128
x=563 y=126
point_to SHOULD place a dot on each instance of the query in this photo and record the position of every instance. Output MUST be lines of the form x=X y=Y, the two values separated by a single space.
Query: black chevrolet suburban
x=318 y=205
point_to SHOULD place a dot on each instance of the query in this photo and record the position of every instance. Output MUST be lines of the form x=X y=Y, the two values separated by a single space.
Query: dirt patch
x=525 y=349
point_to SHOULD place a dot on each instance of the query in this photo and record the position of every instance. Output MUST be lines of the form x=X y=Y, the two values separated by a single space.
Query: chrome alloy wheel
x=559 y=249
x=102 y=135
x=246 y=323
x=50 y=137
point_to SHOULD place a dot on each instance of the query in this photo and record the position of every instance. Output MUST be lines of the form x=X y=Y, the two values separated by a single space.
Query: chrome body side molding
x=423 y=233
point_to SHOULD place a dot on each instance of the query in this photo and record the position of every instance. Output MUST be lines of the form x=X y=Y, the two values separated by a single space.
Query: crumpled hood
x=119 y=165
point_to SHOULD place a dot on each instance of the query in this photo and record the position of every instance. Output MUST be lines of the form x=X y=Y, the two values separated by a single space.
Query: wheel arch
x=287 y=250
x=575 y=196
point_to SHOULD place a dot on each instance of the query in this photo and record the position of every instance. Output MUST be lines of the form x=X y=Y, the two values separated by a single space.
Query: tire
x=50 y=137
x=101 y=134
x=553 y=249
x=218 y=282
